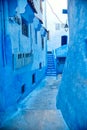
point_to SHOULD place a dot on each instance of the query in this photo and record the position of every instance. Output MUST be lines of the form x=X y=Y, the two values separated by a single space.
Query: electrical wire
x=54 y=12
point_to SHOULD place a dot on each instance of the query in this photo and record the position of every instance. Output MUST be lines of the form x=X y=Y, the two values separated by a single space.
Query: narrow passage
x=38 y=111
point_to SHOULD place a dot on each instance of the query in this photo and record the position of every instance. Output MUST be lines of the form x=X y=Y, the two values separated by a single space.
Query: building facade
x=72 y=97
x=56 y=20
x=23 y=39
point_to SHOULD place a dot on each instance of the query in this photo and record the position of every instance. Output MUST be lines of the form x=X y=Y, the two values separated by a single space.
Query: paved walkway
x=38 y=111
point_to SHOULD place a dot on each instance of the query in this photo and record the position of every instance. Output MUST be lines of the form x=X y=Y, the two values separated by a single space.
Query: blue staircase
x=51 y=68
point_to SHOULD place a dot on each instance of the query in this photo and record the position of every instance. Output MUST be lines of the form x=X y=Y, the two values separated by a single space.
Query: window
x=24 y=27
x=27 y=55
x=33 y=78
x=23 y=89
x=40 y=65
x=57 y=26
x=19 y=56
x=64 y=11
x=62 y=60
x=48 y=35
x=62 y=25
x=42 y=42
x=17 y=20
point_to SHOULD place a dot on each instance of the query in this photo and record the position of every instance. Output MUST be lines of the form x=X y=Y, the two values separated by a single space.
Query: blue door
x=64 y=40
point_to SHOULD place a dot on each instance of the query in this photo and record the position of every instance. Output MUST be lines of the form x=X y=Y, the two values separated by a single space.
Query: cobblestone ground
x=38 y=111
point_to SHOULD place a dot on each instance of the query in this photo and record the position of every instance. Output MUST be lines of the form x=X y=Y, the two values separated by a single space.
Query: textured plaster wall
x=72 y=98
x=1 y=63
x=12 y=80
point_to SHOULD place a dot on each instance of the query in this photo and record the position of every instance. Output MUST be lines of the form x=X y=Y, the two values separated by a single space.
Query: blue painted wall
x=61 y=55
x=60 y=62
x=20 y=56
x=72 y=97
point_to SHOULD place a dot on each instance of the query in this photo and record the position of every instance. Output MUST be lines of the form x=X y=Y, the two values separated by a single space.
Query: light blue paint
x=28 y=14
x=37 y=24
x=61 y=51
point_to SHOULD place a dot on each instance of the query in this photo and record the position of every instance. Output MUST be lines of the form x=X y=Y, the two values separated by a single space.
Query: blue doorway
x=63 y=40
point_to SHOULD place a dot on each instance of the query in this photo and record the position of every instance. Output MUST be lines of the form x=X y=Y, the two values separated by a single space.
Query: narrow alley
x=40 y=40
x=38 y=110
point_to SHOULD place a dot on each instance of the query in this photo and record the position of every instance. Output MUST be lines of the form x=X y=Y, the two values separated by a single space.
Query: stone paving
x=38 y=111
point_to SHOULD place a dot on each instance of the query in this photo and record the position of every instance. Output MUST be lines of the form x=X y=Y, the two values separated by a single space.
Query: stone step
x=50 y=62
x=50 y=74
x=51 y=70
x=50 y=59
x=51 y=66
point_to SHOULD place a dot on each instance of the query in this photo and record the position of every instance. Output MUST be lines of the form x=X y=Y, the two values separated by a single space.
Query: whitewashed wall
x=55 y=35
